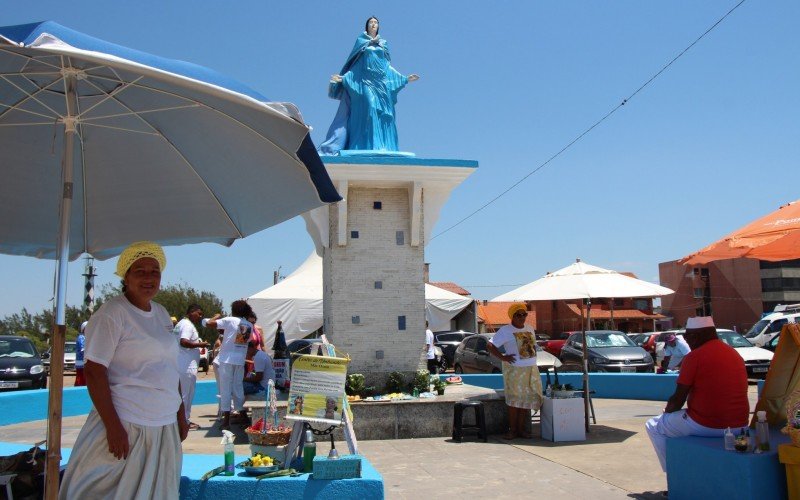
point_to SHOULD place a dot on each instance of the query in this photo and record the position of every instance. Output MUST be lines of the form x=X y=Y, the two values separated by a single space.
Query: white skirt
x=152 y=469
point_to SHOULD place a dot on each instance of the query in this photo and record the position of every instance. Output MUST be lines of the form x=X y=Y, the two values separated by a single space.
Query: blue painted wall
x=23 y=406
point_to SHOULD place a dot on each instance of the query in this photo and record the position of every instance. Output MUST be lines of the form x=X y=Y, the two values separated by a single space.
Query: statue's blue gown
x=368 y=93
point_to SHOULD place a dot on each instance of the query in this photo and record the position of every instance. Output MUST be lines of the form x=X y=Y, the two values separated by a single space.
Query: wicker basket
x=269 y=438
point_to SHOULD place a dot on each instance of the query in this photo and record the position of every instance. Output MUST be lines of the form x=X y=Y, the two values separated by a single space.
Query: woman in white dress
x=130 y=445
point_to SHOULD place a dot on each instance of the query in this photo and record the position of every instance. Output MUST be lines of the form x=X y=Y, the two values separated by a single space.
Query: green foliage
x=422 y=381
x=395 y=382
x=38 y=327
x=438 y=384
x=40 y=344
x=354 y=384
x=175 y=298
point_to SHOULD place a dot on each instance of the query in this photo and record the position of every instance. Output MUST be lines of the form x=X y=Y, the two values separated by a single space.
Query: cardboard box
x=563 y=419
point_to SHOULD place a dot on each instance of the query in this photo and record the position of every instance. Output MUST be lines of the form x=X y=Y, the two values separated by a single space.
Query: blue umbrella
x=103 y=145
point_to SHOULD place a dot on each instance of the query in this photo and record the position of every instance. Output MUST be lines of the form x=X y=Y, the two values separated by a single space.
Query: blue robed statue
x=367 y=89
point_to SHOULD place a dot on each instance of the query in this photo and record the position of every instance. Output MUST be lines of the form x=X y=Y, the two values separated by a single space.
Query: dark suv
x=20 y=364
x=447 y=342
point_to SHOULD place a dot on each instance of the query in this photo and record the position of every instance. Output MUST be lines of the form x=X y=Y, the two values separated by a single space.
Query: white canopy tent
x=297 y=301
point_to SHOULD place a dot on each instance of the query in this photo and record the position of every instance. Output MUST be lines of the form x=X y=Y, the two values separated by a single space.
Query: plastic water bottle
x=309 y=452
x=227 y=442
x=548 y=390
x=729 y=440
x=762 y=432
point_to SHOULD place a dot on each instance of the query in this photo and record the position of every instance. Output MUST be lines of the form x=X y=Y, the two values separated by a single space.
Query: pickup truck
x=554 y=346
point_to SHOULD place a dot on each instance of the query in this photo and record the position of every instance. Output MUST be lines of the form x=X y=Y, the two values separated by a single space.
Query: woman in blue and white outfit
x=231 y=357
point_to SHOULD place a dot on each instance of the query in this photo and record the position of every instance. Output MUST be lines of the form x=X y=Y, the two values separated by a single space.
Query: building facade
x=735 y=291
x=630 y=315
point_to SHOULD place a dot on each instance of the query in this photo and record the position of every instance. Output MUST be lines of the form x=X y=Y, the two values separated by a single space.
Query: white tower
x=373 y=246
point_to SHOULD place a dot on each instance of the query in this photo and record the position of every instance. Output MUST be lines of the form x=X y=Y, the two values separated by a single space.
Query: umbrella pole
x=59 y=328
x=586 y=362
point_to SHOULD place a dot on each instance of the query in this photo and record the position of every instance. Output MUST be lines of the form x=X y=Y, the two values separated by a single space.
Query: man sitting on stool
x=714 y=380
x=256 y=381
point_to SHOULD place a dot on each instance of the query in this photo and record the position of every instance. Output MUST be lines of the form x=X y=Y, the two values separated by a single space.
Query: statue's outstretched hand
x=336 y=78
x=413 y=77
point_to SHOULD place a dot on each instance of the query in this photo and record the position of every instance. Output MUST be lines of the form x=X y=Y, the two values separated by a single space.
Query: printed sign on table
x=317 y=389
x=281 y=367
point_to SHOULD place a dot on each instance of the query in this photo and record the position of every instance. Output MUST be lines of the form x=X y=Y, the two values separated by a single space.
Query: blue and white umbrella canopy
x=101 y=146
x=164 y=150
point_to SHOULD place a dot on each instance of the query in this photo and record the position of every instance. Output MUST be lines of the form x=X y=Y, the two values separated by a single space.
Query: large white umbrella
x=103 y=145
x=583 y=281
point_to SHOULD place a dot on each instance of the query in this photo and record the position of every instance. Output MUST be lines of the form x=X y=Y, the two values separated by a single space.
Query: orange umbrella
x=775 y=236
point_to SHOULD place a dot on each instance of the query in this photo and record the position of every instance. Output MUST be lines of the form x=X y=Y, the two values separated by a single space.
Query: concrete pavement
x=616 y=460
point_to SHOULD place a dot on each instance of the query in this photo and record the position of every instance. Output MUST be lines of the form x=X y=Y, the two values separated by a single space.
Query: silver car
x=608 y=351
x=69 y=357
x=472 y=356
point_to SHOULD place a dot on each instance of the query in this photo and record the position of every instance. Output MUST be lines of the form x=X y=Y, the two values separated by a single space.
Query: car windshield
x=69 y=348
x=609 y=339
x=756 y=329
x=734 y=339
x=16 y=348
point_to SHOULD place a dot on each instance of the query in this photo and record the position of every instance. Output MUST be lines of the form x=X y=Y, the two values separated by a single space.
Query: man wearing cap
x=80 y=343
x=521 y=382
x=714 y=381
x=675 y=349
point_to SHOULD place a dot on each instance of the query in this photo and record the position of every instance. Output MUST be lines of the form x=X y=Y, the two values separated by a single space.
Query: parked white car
x=770 y=325
x=756 y=359
x=69 y=357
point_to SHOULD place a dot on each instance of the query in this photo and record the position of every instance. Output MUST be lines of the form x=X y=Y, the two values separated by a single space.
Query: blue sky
x=707 y=147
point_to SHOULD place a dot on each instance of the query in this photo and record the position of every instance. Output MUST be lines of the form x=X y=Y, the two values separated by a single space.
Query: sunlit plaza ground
x=615 y=461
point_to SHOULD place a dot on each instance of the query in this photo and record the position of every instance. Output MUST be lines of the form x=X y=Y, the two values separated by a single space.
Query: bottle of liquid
x=548 y=390
x=762 y=432
x=309 y=452
x=750 y=440
x=729 y=440
x=740 y=443
x=227 y=442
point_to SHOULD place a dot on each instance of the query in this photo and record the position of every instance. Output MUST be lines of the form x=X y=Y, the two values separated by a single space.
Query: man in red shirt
x=714 y=380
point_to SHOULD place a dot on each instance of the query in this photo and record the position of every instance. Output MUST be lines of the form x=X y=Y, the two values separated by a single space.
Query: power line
x=598 y=122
